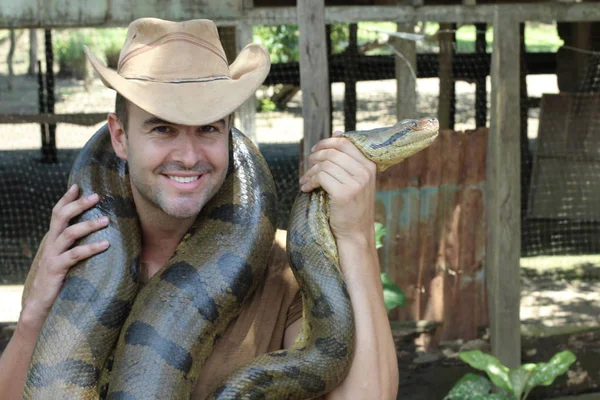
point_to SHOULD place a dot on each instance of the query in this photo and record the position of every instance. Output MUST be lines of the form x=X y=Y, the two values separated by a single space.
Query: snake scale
x=108 y=337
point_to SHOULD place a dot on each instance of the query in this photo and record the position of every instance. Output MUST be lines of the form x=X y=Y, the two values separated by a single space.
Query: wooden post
x=9 y=59
x=247 y=112
x=446 y=76
x=406 y=84
x=33 y=44
x=480 y=83
x=526 y=157
x=350 y=57
x=314 y=79
x=503 y=195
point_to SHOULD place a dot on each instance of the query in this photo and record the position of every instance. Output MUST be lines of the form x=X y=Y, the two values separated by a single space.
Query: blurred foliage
x=282 y=41
x=68 y=48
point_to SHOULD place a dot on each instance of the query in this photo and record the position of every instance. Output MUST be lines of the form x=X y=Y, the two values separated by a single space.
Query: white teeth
x=183 y=179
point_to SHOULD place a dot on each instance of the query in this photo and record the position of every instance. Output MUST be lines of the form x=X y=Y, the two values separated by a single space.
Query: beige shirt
x=259 y=328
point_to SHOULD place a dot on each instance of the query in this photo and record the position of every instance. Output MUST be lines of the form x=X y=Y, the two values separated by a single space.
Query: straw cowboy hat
x=178 y=71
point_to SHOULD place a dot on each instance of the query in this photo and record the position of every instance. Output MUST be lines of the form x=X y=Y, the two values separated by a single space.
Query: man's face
x=174 y=168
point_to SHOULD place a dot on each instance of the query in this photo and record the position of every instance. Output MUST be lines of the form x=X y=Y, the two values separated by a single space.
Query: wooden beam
x=406 y=74
x=314 y=79
x=446 y=75
x=503 y=194
x=77 y=119
x=27 y=14
x=350 y=100
x=480 y=82
x=542 y=12
x=247 y=112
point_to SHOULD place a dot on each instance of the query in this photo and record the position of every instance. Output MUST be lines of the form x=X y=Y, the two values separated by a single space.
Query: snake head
x=391 y=145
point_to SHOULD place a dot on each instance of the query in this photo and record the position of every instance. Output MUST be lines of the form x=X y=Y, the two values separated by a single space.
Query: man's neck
x=161 y=235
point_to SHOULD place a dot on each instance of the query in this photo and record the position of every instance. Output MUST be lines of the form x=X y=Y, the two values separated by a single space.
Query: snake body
x=107 y=338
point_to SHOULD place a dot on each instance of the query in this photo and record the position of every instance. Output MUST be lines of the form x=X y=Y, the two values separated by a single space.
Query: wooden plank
x=480 y=234
x=247 y=112
x=410 y=226
x=350 y=101
x=470 y=260
x=113 y=13
x=446 y=76
x=77 y=119
x=503 y=201
x=428 y=238
x=453 y=154
x=457 y=13
x=406 y=70
x=314 y=79
x=480 y=82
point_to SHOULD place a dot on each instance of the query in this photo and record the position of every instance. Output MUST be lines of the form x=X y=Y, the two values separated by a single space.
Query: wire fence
x=449 y=66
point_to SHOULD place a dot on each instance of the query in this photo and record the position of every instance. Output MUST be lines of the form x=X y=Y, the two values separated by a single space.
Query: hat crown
x=167 y=51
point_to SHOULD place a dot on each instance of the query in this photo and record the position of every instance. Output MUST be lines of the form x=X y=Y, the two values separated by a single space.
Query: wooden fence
x=433 y=206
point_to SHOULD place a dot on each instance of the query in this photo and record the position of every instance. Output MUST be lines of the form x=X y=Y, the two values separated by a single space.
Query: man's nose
x=188 y=150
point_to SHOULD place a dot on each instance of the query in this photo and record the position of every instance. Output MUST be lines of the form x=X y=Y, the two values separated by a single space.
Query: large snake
x=107 y=338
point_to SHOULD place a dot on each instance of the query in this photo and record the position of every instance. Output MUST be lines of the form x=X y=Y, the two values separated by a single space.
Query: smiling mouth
x=183 y=179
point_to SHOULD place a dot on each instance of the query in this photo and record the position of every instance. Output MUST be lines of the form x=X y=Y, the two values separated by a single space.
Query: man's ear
x=117 y=136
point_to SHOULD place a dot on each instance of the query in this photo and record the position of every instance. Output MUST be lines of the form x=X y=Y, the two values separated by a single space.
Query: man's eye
x=208 y=128
x=162 y=129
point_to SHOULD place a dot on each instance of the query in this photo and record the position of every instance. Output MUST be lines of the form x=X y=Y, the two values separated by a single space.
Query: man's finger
x=344 y=160
x=343 y=145
x=78 y=231
x=324 y=180
x=329 y=167
x=69 y=196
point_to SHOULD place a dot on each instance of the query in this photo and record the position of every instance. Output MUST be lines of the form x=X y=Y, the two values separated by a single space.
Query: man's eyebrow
x=152 y=121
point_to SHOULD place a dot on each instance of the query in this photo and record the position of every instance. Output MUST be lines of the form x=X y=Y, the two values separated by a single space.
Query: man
x=175 y=98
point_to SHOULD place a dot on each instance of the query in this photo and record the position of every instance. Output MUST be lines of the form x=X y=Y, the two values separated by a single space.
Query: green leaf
x=497 y=372
x=468 y=386
x=380 y=231
x=393 y=296
x=519 y=378
x=492 y=396
x=545 y=373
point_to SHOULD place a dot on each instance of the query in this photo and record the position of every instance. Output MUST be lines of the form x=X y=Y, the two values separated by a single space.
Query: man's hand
x=337 y=166
x=57 y=255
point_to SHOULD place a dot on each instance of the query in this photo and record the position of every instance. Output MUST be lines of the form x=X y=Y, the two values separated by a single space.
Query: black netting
x=449 y=66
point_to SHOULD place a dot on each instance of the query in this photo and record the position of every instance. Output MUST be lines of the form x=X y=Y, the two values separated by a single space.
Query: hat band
x=183 y=80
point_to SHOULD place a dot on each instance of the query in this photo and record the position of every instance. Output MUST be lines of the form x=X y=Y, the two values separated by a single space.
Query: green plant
x=265 y=104
x=512 y=383
x=68 y=50
x=380 y=232
x=281 y=41
x=393 y=296
x=111 y=41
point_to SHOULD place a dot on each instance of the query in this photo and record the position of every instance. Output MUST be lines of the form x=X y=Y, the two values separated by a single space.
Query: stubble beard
x=184 y=206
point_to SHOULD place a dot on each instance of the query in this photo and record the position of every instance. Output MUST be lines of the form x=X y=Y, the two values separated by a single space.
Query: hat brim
x=192 y=103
